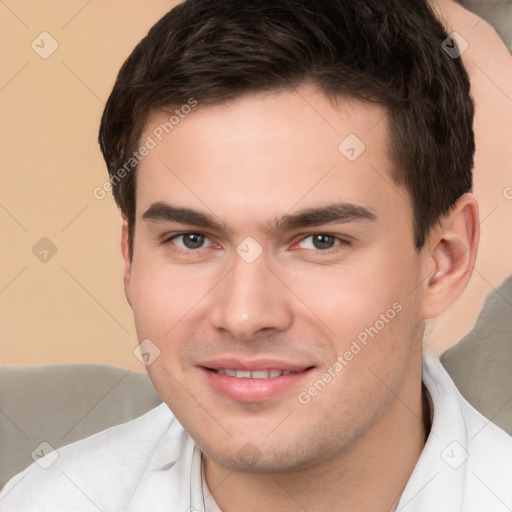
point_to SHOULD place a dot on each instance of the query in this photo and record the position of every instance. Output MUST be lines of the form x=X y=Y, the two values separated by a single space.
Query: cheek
x=163 y=295
x=350 y=297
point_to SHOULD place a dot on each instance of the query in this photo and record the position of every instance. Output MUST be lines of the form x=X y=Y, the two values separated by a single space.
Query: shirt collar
x=438 y=479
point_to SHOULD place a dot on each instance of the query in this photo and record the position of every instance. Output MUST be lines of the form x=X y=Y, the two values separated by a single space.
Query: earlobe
x=452 y=250
x=127 y=264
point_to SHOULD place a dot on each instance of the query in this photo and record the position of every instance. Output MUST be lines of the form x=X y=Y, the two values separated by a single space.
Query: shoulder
x=489 y=462
x=99 y=472
x=470 y=454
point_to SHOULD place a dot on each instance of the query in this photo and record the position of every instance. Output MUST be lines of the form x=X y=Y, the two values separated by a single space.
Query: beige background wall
x=61 y=295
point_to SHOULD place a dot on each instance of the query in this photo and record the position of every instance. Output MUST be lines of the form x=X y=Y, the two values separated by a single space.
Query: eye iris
x=323 y=241
x=193 y=240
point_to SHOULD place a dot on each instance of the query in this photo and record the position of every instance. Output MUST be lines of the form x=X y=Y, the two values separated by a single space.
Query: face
x=274 y=270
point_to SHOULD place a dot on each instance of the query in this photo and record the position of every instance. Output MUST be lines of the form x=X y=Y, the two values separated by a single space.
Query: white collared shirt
x=152 y=464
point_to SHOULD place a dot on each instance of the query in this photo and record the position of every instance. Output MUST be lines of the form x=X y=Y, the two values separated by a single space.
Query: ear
x=450 y=256
x=127 y=264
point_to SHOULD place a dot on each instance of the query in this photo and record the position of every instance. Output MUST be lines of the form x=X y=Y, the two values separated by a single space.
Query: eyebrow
x=334 y=213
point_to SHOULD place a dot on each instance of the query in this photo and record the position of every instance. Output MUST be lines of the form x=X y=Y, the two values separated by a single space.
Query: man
x=295 y=182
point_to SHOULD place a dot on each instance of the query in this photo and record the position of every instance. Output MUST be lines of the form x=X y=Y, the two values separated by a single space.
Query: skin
x=248 y=163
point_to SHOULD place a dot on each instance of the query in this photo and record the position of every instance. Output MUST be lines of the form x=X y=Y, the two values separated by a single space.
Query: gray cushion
x=495 y=12
x=481 y=363
x=61 y=403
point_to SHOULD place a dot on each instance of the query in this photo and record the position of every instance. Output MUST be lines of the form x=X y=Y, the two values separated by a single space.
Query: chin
x=250 y=459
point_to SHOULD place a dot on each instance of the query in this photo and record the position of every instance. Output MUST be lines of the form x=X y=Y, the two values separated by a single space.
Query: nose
x=250 y=300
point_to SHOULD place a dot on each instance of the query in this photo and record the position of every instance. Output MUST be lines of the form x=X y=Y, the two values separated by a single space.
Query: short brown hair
x=385 y=51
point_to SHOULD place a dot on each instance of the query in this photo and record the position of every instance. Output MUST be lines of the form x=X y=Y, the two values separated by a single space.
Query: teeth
x=257 y=374
x=261 y=374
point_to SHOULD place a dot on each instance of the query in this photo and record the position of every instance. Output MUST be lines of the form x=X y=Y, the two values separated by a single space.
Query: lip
x=254 y=365
x=252 y=390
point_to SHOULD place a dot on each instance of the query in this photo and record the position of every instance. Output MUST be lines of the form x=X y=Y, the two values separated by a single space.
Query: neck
x=371 y=475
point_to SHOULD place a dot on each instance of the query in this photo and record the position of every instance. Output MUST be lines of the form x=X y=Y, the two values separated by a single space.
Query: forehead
x=265 y=154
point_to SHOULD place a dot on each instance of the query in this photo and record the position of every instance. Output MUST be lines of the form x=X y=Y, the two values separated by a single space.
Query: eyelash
x=339 y=242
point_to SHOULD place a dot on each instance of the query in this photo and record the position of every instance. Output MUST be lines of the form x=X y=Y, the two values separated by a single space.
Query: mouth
x=253 y=381
x=246 y=374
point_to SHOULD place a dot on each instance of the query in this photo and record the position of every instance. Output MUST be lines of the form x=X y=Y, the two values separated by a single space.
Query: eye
x=319 y=242
x=190 y=241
